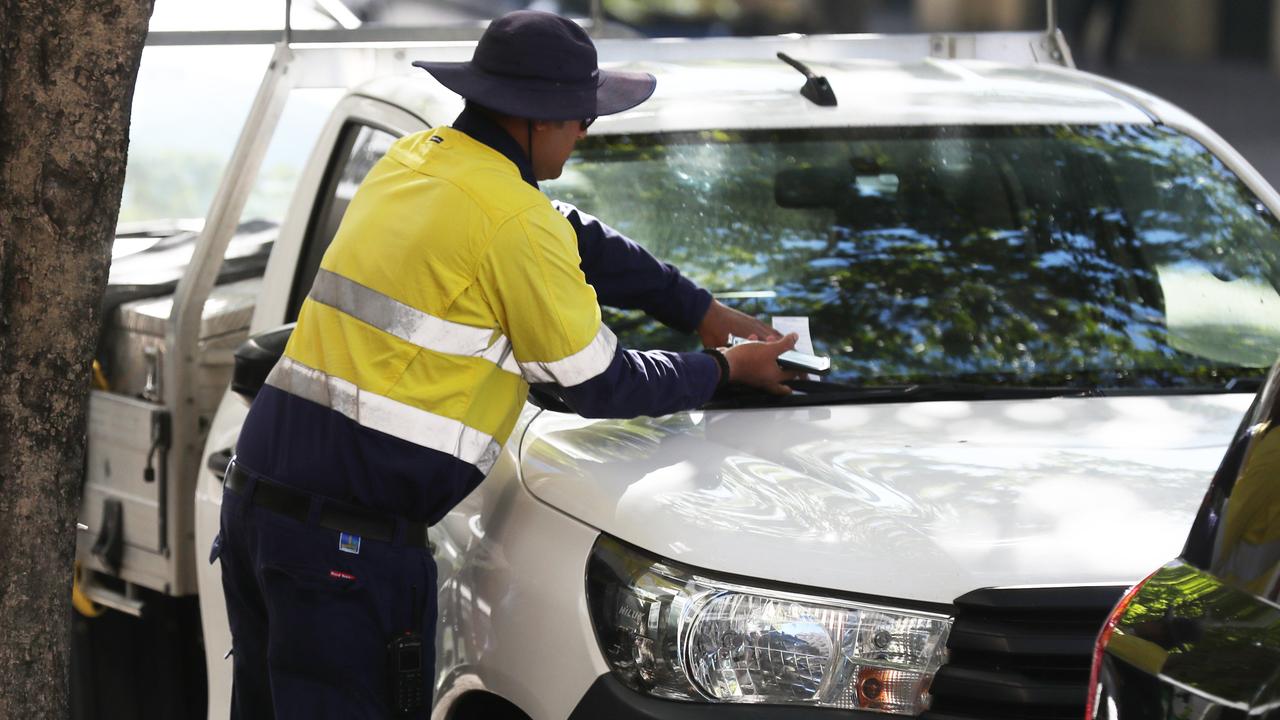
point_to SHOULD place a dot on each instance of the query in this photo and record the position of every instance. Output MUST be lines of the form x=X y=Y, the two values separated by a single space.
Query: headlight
x=671 y=633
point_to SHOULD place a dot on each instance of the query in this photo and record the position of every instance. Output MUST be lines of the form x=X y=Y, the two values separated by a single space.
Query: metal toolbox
x=136 y=343
x=126 y=491
x=132 y=502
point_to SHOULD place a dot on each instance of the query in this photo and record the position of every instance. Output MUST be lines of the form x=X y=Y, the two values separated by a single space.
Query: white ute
x=1047 y=297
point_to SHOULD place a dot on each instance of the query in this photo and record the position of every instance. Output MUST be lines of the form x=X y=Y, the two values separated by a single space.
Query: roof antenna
x=597 y=18
x=288 y=24
x=816 y=88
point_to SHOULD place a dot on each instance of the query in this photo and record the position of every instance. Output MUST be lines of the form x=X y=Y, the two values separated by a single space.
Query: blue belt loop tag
x=349 y=543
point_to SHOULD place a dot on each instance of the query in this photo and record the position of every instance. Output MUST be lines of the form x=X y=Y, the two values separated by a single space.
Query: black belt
x=333 y=514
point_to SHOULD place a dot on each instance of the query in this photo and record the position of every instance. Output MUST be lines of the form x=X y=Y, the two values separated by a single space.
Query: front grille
x=1021 y=653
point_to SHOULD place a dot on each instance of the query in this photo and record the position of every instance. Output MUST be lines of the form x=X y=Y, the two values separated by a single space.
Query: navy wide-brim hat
x=540 y=66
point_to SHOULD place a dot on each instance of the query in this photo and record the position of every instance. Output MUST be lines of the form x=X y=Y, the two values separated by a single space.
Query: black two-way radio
x=404 y=658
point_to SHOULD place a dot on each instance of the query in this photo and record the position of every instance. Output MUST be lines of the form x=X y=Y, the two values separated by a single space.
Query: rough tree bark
x=67 y=72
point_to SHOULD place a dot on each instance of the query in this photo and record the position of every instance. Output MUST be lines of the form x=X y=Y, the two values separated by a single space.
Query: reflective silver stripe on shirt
x=385 y=415
x=510 y=365
x=407 y=323
x=500 y=354
x=579 y=367
x=432 y=333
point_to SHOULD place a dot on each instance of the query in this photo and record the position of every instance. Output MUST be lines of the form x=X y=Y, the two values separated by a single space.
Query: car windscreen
x=1107 y=256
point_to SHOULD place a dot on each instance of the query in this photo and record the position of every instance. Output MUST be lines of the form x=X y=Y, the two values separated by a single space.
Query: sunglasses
x=586 y=123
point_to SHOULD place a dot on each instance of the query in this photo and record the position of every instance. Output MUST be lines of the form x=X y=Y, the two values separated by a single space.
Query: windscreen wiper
x=829 y=391
x=1234 y=385
x=910 y=392
x=811 y=392
x=1245 y=384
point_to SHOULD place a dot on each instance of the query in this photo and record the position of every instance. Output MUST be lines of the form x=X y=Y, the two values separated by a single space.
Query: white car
x=1047 y=299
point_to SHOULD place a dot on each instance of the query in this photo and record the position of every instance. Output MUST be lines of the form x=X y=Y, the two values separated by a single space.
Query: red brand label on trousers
x=340 y=575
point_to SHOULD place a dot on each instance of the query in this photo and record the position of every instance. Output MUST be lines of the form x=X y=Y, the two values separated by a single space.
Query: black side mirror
x=255 y=358
x=544 y=395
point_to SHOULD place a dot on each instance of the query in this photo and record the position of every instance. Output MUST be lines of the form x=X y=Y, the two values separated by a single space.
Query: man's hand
x=756 y=364
x=721 y=321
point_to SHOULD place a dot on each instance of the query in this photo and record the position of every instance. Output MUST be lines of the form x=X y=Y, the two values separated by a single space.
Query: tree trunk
x=67 y=71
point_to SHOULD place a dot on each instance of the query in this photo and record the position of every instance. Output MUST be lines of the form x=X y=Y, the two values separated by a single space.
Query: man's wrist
x=722 y=362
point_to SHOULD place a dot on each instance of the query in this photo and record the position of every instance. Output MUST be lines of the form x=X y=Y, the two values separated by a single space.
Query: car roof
x=871 y=93
x=746 y=94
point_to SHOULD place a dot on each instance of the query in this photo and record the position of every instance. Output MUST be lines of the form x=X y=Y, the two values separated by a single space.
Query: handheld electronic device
x=405 y=657
x=795 y=360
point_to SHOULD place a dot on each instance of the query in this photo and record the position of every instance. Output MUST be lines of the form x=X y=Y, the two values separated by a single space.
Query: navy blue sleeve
x=652 y=383
x=626 y=276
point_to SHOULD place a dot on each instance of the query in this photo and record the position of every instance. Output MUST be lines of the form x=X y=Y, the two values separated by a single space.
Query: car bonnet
x=921 y=501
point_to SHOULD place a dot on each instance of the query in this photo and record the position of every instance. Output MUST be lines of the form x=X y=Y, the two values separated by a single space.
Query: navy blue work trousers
x=310 y=622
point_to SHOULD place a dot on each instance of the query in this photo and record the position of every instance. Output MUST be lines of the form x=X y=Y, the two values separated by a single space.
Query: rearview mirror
x=806 y=188
x=859 y=181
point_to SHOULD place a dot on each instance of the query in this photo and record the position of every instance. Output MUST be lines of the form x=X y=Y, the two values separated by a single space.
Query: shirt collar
x=482 y=128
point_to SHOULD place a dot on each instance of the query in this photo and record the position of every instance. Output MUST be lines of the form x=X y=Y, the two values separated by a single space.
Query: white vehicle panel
x=513 y=616
x=208 y=512
x=871 y=93
x=283 y=263
x=741 y=94
x=268 y=314
x=922 y=501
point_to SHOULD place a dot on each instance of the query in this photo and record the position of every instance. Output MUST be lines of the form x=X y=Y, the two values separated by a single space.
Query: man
x=451 y=284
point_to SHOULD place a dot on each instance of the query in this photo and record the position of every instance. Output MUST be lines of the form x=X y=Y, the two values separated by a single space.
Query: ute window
x=359 y=147
x=1100 y=256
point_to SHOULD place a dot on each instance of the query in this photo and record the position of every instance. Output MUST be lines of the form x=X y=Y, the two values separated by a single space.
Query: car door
x=357 y=134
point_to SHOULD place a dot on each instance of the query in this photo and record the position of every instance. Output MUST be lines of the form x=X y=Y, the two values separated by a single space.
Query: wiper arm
x=843 y=392
x=1245 y=384
x=829 y=392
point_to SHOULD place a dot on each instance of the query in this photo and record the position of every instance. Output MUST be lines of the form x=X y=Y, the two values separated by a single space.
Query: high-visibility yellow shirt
x=450 y=285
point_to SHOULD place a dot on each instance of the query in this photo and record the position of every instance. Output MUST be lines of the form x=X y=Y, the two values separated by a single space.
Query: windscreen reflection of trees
x=1012 y=255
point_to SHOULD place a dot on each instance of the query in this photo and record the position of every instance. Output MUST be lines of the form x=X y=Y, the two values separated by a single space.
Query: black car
x=1200 y=637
